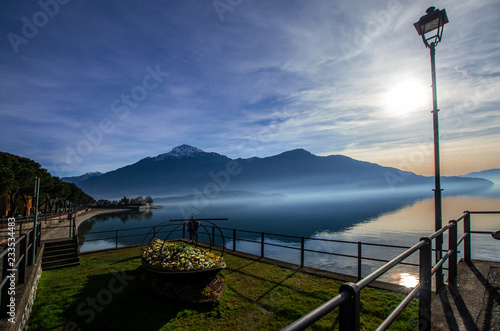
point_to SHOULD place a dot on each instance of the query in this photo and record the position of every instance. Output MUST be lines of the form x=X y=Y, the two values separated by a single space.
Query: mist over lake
x=367 y=217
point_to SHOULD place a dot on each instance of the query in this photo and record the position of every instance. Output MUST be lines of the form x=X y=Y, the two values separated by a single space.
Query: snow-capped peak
x=180 y=151
x=185 y=150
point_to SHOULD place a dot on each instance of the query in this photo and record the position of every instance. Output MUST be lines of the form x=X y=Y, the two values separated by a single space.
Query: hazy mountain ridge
x=78 y=179
x=491 y=175
x=188 y=170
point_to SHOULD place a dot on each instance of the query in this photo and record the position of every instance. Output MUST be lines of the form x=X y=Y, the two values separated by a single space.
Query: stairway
x=60 y=253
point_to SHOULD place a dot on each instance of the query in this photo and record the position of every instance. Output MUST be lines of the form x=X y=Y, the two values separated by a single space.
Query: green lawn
x=104 y=293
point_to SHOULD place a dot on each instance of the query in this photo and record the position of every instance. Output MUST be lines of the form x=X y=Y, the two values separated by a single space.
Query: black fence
x=348 y=299
x=233 y=238
x=19 y=226
x=15 y=257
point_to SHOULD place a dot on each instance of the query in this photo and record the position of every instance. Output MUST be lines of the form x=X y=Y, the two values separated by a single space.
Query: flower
x=177 y=256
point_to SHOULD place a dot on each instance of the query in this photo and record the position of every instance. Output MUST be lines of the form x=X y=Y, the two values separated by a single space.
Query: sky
x=97 y=85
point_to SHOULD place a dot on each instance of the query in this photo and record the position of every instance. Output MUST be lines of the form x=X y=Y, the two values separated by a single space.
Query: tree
x=17 y=179
x=148 y=200
x=103 y=203
x=137 y=201
x=124 y=201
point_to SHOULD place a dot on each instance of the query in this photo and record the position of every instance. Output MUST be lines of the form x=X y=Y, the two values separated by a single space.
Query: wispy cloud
x=266 y=78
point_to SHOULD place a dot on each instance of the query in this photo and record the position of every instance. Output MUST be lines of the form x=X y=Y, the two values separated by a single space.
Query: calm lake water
x=363 y=217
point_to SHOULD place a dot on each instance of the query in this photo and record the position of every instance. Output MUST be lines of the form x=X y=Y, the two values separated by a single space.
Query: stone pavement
x=475 y=304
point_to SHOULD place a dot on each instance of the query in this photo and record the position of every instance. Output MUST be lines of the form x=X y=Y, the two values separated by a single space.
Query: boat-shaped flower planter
x=201 y=276
x=176 y=270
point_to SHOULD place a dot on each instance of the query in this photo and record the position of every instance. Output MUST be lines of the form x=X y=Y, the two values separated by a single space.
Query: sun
x=406 y=97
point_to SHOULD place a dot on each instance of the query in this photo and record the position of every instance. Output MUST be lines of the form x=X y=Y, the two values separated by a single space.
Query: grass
x=104 y=293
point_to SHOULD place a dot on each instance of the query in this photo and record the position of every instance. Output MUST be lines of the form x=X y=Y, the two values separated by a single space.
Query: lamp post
x=430 y=27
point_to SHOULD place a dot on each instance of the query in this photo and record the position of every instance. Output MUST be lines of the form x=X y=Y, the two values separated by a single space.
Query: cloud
x=266 y=78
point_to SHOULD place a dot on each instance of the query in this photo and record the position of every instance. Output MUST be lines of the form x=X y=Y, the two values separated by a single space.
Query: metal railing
x=116 y=234
x=20 y=222
x=24 y=223
x=348 y=299
x=234 y=235
x=16 y=256
x=358 y=246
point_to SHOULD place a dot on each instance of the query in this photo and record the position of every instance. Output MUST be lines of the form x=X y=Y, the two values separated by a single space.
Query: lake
x=367 y=217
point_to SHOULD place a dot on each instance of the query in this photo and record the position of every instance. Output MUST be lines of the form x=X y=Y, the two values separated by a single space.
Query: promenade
x=474 y=304
x=61 y=230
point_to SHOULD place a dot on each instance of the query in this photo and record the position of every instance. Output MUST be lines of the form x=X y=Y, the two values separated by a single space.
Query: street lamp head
x=434 y=19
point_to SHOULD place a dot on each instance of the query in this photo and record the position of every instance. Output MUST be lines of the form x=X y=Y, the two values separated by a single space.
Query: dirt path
x=56 y=231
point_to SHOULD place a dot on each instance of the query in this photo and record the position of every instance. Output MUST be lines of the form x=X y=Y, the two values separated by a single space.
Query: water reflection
x=381 y=221
x=407 y=280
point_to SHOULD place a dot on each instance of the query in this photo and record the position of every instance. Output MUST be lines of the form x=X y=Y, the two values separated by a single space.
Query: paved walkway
x=475 y=304
x=61 y=230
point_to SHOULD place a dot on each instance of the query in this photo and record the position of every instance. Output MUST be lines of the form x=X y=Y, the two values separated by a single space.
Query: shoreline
x=61 y=229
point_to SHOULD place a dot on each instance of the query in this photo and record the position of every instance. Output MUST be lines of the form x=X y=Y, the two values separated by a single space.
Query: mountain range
x=187 y=170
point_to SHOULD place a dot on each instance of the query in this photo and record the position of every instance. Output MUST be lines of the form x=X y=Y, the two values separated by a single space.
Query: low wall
x=25 y=297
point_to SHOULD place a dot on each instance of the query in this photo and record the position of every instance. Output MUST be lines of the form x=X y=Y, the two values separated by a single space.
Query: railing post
x=234 y=240
x=33 y=246
x=22 y=265
x=213 y=234
x=4 y=296
x=425 y=294
x=452 y=261
x=262 y=244
x=184 y=230
x=39 y=236
x=35 y=243
x=360 y=260
x=302 y=247
x=467 y=241
x=349 y=311
x=31 y=250
x=116 y=238
x=154 y=231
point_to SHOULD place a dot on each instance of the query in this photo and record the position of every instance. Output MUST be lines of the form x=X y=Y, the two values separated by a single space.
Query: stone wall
x=25 y=297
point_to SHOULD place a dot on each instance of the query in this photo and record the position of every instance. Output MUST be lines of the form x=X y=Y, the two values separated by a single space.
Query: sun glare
x=406 y=97
x=408 y=280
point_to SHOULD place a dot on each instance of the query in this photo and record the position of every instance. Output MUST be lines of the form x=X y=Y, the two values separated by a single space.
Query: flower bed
x=179 y=257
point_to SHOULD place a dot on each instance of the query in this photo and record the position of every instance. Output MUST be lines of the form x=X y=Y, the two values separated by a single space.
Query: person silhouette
x=190 y=230
x=196 y=226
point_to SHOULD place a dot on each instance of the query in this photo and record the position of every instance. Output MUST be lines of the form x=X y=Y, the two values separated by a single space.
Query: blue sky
x=96 y=85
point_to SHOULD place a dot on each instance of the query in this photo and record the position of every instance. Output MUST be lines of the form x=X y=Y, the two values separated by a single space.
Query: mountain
x=491 y=175
x=78 y=179
x=188 y=170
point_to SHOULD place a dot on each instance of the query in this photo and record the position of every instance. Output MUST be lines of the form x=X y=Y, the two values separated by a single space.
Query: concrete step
x=52 y=242
x=61 y=256
x=60 y=253
x=59 y=247
x=60 y=264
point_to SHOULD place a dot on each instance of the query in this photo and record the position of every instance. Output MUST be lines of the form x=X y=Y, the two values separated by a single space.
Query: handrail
x=27 y=244
x=349 y=291
x=349 y=307
x=117 y=234
x=382 y=270
x=399 y=309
